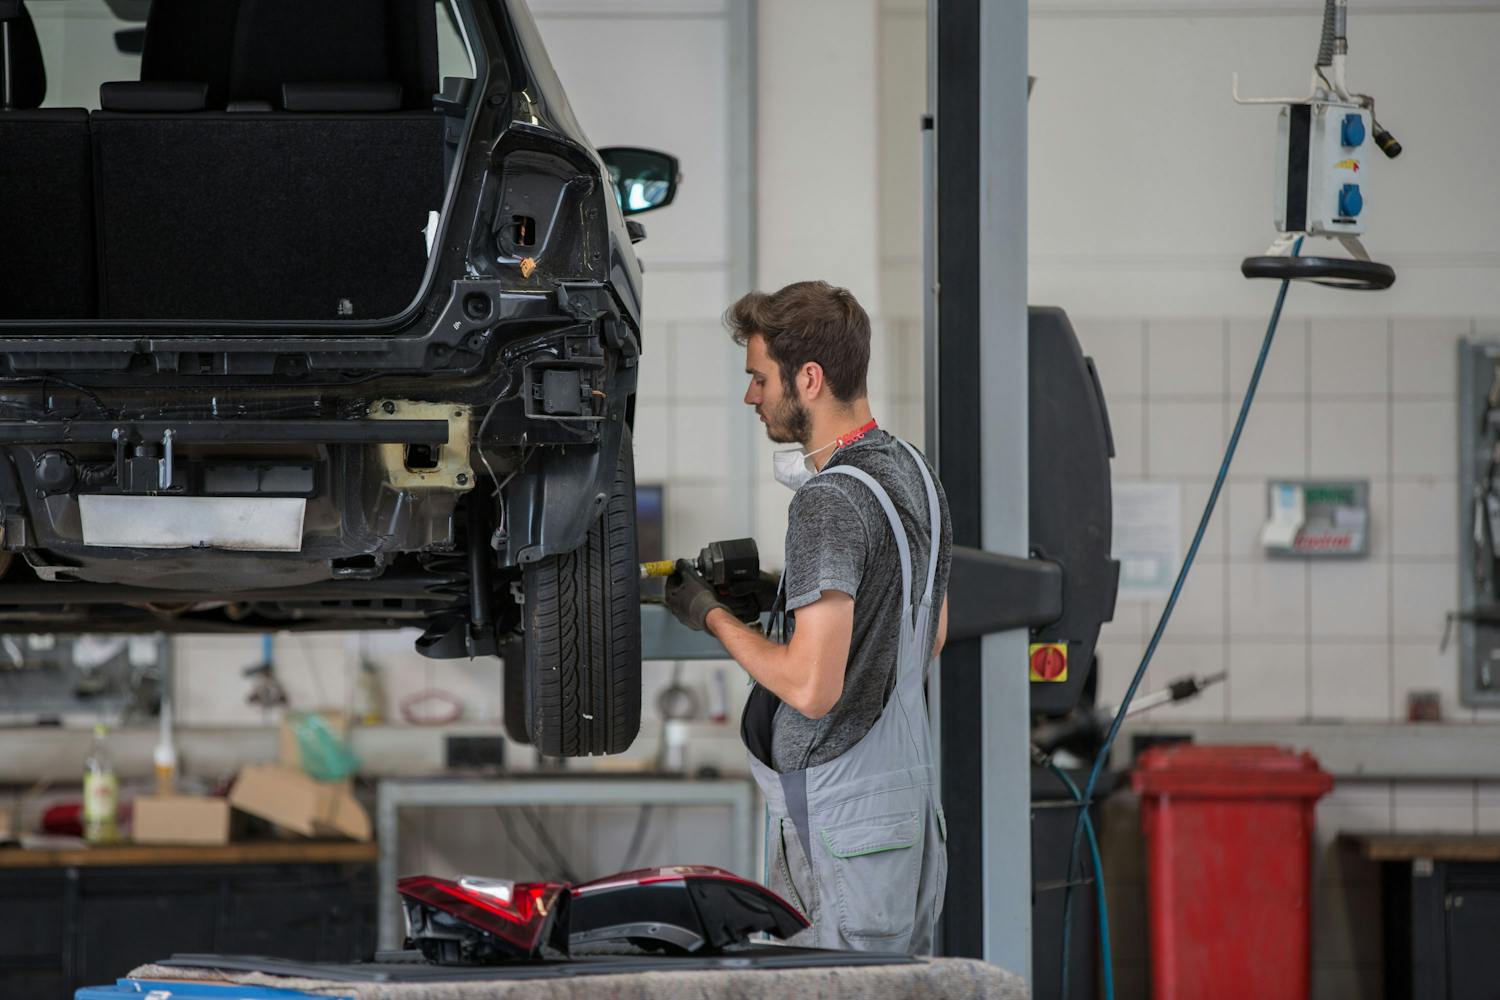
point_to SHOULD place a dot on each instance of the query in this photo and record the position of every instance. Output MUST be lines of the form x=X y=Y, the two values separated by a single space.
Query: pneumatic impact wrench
x=732 y=568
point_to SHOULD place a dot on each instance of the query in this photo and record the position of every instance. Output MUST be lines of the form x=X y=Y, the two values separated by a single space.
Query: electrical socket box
x=1322 y=519
x=1321 y=181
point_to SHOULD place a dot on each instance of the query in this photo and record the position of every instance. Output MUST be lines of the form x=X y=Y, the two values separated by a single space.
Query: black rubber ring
x=1335 y=272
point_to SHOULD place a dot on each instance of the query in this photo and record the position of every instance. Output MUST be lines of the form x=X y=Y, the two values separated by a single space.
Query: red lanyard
x=845 y=440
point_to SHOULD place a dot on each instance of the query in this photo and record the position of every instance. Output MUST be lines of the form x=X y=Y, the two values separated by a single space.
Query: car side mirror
x=643 y=179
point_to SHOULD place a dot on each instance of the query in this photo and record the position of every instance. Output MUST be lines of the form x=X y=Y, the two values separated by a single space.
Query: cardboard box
x=180 y=819
x=295 y=802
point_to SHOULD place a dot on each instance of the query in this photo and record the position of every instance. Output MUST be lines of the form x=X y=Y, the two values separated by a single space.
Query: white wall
x=1148 y=184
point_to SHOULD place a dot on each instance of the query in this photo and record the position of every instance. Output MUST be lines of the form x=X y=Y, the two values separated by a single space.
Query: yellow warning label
x=1049 y=662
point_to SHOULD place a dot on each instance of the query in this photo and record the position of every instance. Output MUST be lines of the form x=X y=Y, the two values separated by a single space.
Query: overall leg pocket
x=876 y=865
x=793 y=877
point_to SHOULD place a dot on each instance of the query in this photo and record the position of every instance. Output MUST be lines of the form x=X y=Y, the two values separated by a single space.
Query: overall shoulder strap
x=934 y=517
x=902 y=544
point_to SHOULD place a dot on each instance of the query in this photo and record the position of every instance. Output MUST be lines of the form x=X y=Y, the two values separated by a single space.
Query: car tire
x=583 y=634
x=513 y=697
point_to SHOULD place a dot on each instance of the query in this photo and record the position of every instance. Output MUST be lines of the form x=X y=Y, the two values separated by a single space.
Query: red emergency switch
x=1049 y=661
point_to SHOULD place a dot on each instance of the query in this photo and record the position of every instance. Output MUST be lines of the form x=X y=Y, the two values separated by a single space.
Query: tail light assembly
x=682 y=909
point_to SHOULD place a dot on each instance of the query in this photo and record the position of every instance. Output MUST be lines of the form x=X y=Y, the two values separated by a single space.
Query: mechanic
x=836 y=722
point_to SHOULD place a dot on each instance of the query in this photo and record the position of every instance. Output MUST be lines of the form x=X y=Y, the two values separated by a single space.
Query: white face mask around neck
x=791 y=467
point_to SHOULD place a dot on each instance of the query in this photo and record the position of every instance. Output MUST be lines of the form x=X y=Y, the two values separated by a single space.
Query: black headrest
x=383 y=96
x=28 y=75
x=335 y=41
x=191 y=40
x=132 y=95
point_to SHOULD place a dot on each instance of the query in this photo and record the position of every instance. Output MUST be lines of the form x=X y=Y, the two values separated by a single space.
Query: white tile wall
x=1351 y=681
x=1422 y=594
x=1424 y=438
x=653 y=439
x=1268 y=680
x=1186 y=358
x=1424 y=518
x=1424 y=356
x=1380 y=519
x=1436 y=807
x=1127 y=422
x=1487 y=807
x=1348 y=599
x=1268 y=600
x=695 y=515
x=1348 y=438
x=702 y=447
x=1362 y=398
x=1349 y=357
x=1184 y=440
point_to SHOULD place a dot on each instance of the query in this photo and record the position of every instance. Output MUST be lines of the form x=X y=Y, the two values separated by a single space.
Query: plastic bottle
x=369 y=701
x=101 y=791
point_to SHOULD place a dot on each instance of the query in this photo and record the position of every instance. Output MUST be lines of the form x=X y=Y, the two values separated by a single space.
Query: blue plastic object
x=1352 y=131
x=326 y=755
x=172 y=989
x=1351 y=202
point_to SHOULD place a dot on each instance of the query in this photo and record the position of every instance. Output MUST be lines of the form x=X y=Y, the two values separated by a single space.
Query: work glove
x=690 y=597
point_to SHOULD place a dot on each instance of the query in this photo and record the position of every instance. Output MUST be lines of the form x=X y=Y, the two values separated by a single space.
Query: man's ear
x=811 y=375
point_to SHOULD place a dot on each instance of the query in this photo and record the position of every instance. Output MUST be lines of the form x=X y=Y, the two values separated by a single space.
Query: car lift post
x=976 y=392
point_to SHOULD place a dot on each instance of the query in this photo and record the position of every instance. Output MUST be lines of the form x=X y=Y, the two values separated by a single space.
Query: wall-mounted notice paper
x=1147 y=529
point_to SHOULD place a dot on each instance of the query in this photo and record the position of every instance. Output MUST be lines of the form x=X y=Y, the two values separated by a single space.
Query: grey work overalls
x=857 y=843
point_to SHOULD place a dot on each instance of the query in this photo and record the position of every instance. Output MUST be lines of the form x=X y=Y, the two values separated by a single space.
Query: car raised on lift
x=296 y=335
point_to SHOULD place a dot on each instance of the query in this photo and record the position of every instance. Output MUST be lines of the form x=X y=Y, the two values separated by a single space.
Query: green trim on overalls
x=867 y=863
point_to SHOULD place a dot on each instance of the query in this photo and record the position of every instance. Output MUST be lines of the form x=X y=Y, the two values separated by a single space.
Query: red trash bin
x=1229 y=854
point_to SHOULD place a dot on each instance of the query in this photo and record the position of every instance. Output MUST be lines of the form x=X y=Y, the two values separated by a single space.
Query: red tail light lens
x=515 y=912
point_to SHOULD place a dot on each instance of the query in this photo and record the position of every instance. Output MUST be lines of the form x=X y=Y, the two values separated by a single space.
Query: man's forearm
x=768 y=662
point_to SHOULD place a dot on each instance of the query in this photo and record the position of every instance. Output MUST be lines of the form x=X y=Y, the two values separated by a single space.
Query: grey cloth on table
x=927 y=979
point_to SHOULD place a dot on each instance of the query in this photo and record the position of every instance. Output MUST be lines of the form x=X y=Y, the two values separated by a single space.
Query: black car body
x=311 y=340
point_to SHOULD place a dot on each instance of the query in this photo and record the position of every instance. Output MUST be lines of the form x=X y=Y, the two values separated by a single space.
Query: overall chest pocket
x=876 y=868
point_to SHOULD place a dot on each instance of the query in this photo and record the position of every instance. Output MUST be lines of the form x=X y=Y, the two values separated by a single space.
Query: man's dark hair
x=809 y=321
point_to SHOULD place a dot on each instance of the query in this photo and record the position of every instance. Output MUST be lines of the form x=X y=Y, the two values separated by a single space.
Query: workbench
x=1441 y=911
x=393 y=795
x=82 y=916
x=920 y=979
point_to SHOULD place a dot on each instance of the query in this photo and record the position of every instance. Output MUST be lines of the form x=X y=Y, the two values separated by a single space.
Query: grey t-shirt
x=838 y=538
